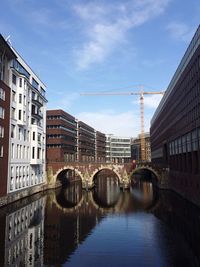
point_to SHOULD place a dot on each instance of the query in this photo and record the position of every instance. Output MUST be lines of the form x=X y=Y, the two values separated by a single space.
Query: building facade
x=100 y=147
x=175 y=126
x=71 y=140
x=118 y=149
x=61 y=136
x=86 y=142
x=6 y=57
x=26 y=116
x=136 y=148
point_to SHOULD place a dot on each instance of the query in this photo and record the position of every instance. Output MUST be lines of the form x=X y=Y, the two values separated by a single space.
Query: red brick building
x=175 y=127
x=6 y=55
x=100 y=147
x=86 y=142
x=61 y=136
x=71 y=140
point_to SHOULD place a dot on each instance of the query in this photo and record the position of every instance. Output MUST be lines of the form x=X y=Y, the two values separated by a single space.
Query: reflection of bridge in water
x=91 y=207
x=105 y=197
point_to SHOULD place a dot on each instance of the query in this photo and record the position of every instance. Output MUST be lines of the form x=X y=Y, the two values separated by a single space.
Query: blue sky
x=88 y=46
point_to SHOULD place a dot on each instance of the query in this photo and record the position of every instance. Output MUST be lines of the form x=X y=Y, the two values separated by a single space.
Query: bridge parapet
x=87 y=171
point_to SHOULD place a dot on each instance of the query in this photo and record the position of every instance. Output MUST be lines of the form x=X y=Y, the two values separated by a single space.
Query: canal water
x=104 y=227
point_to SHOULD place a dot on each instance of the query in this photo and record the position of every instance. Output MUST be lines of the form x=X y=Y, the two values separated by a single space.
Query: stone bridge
x=87 y=172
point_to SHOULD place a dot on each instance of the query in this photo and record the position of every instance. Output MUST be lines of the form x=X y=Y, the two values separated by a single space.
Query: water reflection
x=22 y=232
x=69 y=195
x=71 y=227
x=107 y=189
x=144 y=192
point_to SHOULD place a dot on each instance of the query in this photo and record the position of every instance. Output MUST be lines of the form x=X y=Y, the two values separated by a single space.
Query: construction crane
x=141 y=93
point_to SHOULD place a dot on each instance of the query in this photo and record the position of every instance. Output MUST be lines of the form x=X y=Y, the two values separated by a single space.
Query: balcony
x=37 y=115
x=37 y=102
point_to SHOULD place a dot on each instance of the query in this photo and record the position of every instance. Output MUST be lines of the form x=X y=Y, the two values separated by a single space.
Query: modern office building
x=100 y=147
x=118 y=149
x=26 y=116
x=61 y=136
x=175 y=126
x=136 y=148
x=6 y=57
x=86 y=142
x=71 y=140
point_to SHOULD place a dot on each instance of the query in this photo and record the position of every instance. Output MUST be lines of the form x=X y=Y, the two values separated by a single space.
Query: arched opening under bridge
x=143 y=185
x=106 y=187
x=67 y=176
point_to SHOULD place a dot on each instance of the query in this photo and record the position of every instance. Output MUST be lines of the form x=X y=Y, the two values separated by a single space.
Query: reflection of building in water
x=66 y=229
x=70 y=195
x=143 y=191
x=24 y=230
x=107 y=188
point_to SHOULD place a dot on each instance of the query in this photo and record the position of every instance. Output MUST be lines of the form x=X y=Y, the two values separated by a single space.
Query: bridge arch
x=65 y=169
x=156 y=174
x=106 y=168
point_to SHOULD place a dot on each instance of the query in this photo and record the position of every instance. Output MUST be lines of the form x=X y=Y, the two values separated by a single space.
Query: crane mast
x=141 y=93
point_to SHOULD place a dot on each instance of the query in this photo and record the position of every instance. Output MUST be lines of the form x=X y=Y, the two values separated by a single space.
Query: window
x=12 y=131
x=20 y=82
x=33 y=152
x=39 y=138
x=13 y=113
x=33 y=135
x=2 y=113
x=1 y=131
x=20 y=115
x=20 y=134
x=20 y=98
x=20 y=68
x=1 y=151
x=14 y=79
x=13 y=151
x=13 y=96
x=2 y=94
x=34 y=83
x=38 y=153
x=25 y=135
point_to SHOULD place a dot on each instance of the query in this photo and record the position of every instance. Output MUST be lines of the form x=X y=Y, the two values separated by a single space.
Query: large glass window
x=35 y=84
x=194 y=140
x=20 y=68
x=184 y=143
x=189 y=146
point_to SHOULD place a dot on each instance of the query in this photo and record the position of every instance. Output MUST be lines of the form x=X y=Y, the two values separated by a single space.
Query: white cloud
x=107 y=26
x=63 y=101
x=180 y=31
x=107 y=121
x=150 y=101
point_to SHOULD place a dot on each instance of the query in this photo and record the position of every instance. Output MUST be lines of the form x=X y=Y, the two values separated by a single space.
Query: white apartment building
x=118 y=149
x=27 y=127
